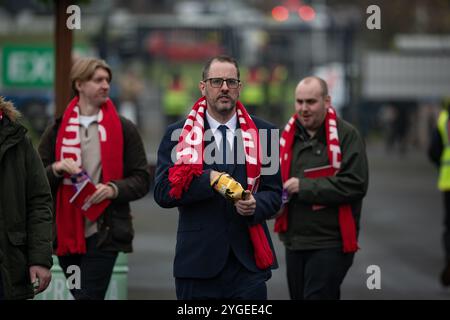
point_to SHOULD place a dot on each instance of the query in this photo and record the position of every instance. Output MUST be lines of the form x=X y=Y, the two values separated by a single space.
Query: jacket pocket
x=122 y=228
x=17 y=263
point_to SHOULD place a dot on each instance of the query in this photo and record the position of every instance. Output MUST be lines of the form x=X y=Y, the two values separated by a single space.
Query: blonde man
x=92 y=142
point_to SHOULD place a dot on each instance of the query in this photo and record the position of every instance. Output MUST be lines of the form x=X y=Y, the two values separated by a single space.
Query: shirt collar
x=214 y=124
x=86 y=121
x=304 y=135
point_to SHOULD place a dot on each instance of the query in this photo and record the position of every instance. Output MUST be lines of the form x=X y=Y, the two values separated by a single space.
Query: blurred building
x=328 y=38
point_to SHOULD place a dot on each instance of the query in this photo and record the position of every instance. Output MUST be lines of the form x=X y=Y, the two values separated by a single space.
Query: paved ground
x=401 y=234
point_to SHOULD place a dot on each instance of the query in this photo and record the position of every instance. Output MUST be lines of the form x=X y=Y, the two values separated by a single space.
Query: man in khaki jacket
x=325 y=177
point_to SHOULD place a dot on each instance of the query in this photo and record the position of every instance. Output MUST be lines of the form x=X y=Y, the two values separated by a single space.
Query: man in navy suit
x=223 y=250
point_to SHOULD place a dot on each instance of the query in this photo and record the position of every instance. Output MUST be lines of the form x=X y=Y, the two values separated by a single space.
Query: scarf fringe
x=263 y=253
x=180 y=178
x=70 y=248
x=281 y=223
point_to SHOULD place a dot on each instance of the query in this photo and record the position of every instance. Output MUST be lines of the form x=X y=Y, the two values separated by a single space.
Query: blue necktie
x=224 y=148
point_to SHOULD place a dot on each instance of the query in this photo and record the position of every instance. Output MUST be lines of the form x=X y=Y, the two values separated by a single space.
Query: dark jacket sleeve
x=39 y=211
x=351 y=182
x=435 y=148
x=199 y=188
x=268 y=196
x=136 y=181
x=46 y=151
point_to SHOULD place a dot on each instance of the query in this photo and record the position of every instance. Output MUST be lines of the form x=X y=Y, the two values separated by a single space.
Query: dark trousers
x=233 y=282
x=316 y=274
x=446 y=235
x=96 y=267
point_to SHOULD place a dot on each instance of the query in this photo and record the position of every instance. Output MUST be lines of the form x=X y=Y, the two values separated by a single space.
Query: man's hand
x=228 y=187
x=43 y=275
x=213 y=175
x=292 y=185
x=246 y=207
x=103 y=192
x=66 y=165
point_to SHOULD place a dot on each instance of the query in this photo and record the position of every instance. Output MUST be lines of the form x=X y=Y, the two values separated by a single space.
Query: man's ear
x=328 y=101
x=78 y=85
x=202 y=87
x=239 y=89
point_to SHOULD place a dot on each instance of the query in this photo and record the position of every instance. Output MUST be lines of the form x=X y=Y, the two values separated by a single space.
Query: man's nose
x=224 y=86
x=105 y=84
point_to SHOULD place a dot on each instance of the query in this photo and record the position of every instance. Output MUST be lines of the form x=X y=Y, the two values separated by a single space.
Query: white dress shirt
x=214 y=125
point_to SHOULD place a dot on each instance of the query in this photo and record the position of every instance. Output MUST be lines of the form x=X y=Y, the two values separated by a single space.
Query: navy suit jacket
x=208 y=224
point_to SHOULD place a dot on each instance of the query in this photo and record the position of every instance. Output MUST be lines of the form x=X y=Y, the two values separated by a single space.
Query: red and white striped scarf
x=346 y=221
x=69 y=218
x=190 y=164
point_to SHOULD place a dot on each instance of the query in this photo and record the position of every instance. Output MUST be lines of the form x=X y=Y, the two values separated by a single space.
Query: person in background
x=325 y=177
x=93 y=141
x=439 y=154
x=175 y=96
x=25 y=212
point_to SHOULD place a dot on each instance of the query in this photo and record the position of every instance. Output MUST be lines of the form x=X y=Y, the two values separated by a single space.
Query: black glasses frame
x=230 y=85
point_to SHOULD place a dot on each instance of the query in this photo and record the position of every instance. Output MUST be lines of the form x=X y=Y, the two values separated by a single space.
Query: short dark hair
x=322 y=83
x=221 y=58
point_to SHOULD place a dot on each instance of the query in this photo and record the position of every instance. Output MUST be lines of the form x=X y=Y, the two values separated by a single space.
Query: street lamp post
x=63 y=56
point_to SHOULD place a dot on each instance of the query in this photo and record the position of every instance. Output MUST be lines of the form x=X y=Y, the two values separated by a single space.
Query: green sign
x=27 y=66
x=30 y=66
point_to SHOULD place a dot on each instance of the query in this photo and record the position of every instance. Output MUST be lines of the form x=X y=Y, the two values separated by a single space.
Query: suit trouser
x=316 y=274
x=96 y=267
x=233 y=282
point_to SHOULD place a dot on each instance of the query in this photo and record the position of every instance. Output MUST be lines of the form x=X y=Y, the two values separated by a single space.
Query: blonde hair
x=84 y=68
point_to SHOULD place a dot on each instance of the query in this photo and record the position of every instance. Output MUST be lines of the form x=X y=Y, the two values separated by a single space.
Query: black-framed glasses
x=218 y=82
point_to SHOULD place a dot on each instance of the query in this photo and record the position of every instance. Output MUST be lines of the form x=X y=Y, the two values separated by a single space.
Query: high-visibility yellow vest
x=275 y=93
x=252 y=94
x=175 y=102
x=444 y=171
x=276 y=86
